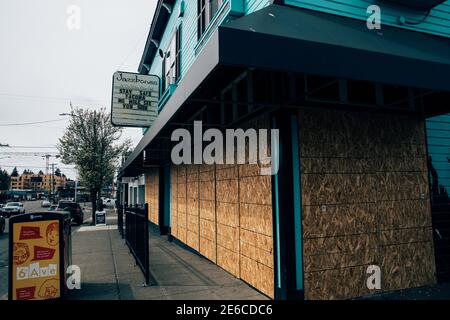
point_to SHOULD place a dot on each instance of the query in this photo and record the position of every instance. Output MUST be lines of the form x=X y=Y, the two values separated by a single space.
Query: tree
x=14 y=173
x=58 y=172
x=5 y=180
x=40 y=173
x=90 y=142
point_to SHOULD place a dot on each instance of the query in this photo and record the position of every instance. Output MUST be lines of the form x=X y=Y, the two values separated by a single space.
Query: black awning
x=299 y=40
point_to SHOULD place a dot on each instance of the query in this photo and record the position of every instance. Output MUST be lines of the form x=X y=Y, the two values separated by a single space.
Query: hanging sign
x=134 y=100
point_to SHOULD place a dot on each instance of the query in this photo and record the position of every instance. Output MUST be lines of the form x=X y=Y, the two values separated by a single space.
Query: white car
x=45 y=204
x=108 y=202
x=13 y=208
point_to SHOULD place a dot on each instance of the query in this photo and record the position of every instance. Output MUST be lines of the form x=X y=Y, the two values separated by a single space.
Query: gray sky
x=44 y=65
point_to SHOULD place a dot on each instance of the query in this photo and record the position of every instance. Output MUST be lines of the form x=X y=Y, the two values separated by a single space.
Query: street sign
x=134 y=100
x=100 y=218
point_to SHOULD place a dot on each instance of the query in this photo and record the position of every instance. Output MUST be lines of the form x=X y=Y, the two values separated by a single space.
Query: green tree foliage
x=58 y=172
x=5 y=180
x=91 y=143
x=14 y=173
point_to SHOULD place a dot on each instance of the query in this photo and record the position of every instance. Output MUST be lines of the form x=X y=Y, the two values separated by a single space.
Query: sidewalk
x=108 y=270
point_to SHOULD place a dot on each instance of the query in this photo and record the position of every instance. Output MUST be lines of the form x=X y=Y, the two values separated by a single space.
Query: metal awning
x=298 y=40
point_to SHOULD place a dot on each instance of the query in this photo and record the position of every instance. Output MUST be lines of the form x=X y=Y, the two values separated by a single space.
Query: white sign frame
x=130 y=92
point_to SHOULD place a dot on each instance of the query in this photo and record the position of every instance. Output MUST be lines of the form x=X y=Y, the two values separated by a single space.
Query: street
x=30 y=206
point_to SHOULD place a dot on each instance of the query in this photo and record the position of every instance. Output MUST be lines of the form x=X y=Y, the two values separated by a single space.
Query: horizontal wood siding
x=437 y=23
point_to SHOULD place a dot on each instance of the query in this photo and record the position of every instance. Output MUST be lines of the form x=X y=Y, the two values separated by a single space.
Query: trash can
x=40 y=250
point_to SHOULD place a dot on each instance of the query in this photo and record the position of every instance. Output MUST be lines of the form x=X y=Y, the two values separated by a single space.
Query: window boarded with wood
x=152 y=194
x=365 y=201
x=228 y=217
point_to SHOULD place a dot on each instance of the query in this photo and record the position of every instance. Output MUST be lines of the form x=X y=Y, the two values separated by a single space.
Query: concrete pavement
x=109 y=271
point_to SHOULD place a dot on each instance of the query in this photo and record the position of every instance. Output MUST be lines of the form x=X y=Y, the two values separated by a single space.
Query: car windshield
x=12 y=204
x=67 y=205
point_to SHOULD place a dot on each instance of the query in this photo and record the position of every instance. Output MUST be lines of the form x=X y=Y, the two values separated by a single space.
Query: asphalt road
x=30 y=206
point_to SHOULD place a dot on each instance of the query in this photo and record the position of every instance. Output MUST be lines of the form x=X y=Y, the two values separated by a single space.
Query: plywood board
x=364 y=201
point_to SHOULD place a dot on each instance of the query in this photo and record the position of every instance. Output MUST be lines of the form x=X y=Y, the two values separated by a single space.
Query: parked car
x=12 y=208
x=108 y=202
x=74 y=208
x=53 y=207
x=2 y=224
x=45 y=204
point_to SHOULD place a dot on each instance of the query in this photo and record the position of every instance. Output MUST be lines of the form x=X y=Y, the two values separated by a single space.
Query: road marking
x=97 y=228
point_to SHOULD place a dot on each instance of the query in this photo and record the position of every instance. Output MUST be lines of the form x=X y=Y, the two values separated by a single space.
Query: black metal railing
x=136 y=236
x=120 y=213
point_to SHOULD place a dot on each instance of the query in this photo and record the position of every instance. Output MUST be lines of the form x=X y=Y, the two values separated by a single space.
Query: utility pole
x=76 y=189
x=47 y=158
x=53 y=183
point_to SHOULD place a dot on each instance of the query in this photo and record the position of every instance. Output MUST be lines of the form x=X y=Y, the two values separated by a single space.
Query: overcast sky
x=44 y=65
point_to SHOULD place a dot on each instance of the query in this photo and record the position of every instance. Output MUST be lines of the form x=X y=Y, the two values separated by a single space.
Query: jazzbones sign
x=36 y=260
x=134 y=99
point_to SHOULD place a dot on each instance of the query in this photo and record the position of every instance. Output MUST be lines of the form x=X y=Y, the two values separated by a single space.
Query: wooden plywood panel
x=207 y=212
x=192 y=209
x=364 y=201
x=174 y=201
x=152 y=194
x=224 y=212
x=182 y=204
x=255 y=220
x=227 y=215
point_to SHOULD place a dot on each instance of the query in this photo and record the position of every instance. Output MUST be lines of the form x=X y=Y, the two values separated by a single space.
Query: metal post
x=146 y=247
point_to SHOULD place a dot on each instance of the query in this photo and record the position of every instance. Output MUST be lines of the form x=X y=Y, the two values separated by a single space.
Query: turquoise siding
x=438 y=22
x=438 y=137
x=171 y=27
x=189 y=43
x=255 y=5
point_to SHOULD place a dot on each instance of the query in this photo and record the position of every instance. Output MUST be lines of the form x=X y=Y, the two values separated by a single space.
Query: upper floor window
x=171 y=64
x=206 y=10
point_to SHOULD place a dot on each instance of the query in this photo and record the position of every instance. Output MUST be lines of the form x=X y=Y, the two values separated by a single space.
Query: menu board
x=100 y=218
x=36 y=260
x=135 y=98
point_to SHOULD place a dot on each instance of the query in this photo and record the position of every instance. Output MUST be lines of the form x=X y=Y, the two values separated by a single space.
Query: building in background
x=351 y=104
x=37 y=182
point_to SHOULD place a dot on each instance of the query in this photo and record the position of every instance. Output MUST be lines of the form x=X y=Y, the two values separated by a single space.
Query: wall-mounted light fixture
x=155 y=43
x=167 y=7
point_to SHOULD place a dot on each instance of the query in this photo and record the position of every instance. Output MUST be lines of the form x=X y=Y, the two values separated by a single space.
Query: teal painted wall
x=438 y=138
x=255 y=5
x=437 y=23
x=189 y=31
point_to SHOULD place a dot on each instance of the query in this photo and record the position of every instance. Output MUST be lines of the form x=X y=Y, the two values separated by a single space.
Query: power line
x=55 y=99
x=30 y=123
x=34 y=147
x=32 y=166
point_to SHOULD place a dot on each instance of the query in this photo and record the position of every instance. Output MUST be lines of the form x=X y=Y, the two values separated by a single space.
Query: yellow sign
x=36 y=260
